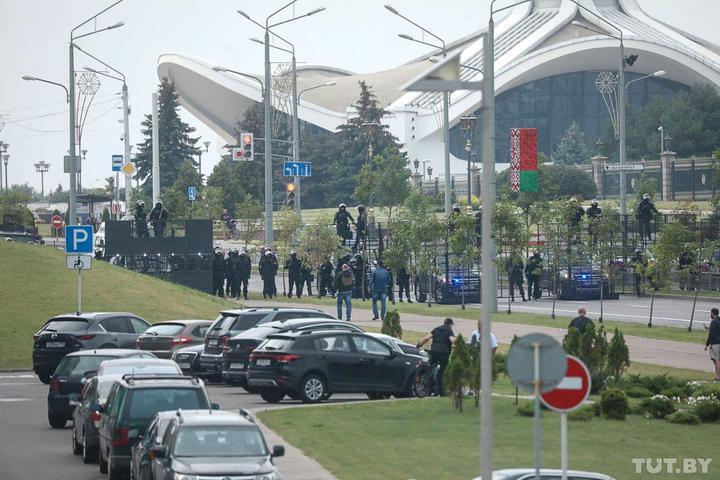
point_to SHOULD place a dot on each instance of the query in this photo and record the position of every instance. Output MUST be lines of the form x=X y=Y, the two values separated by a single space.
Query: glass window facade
x=552 y=104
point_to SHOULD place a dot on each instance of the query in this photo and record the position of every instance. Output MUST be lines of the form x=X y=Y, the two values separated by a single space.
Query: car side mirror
x=215 y=406
x=157 y=451
x=83 y=380
x=89 y=374
x=278 y=451
x=97 y=407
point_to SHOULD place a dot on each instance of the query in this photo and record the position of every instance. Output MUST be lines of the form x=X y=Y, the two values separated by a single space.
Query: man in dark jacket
x=230 y=264
x=244 y=266
x=713 y=341
x=360 y=227
x=533 y=271
x=293 y=267
x=158 y=218
x=593 y=214
x=344 y=287
x=141 y=228
x=515 y=277
x=687 y=267
x=218 y=266
x=326 y=278
x=443 y=338
x=379 y=281
x=268 y=268
x=403 y=283
x=581 y=322
x=342 y=222
x=306 y=277
x=637 y=262
x=644 y=213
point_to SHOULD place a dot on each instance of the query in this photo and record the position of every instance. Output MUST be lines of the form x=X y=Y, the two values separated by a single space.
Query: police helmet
x=456 y=207
x=293 y=253
x=158 y=204
x=342 y=206
x=141 y=203
x=594 y=203
x=268 y=253
x=637 y=250
x=573 y=199
x=242 y=252
x=646 y=196
x=361 y=207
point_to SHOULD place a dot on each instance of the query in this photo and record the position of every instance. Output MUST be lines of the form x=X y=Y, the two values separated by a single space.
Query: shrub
x=637 y=392
x=391 y=324
x=656 y=383
x=592 y=348
x=683 y=417
x=618 y=354
x=705 y=389
x=526 y=409
x=707 y=409
x=676 y=392
x=582 y=414
x=614 y=404
x=458 y=372
x=659 y=406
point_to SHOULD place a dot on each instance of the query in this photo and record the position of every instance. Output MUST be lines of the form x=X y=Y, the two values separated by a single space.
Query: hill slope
x=35 y=285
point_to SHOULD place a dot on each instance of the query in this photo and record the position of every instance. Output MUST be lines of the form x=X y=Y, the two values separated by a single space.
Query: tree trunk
x=692 y=314
x=283 y=277
x=602 y=288
x=652 y=304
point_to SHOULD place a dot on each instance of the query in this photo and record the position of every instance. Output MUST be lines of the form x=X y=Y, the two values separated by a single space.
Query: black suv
x=232 y=322
x=213 y=445
x=237 y=350
x=71 y=332
x=309 y=365
x=132 y=404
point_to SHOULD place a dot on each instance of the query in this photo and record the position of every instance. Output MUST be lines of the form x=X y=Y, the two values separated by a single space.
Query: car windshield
x=139 y=368
x=167 y=329
x=78 y=365
x=219 y=441
x=144 y=403
x=104 y=387
x=63 y=325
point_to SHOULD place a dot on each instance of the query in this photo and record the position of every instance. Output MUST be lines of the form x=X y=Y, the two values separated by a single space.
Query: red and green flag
x=523 y=160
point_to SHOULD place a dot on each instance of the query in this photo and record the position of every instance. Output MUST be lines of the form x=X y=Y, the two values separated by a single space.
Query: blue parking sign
x=192 y=193
x=79 y=239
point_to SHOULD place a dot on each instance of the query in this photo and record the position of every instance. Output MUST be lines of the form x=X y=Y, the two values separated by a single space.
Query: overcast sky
x=358 y=35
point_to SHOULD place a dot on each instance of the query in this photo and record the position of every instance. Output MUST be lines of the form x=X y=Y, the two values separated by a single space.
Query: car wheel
x=113 y=473
x=89 y=455
x=45 y=378
x=103 y=464
x=272 y=396
x=76 y=446
x=145 y=473
x=250 y=389
x=215 y=379
x=56 y=421
x=312 y=389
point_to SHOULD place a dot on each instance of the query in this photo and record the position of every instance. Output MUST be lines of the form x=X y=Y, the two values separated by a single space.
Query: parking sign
x=117 y=163
x=191 y=193
x=79 y=239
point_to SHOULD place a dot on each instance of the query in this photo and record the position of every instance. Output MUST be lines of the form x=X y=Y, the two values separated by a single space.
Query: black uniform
x=533 y=270
x=644 y=213
x=360 y=279
x=141 y=228
x=593 y=213
x=306 y=278
x=326 y=279
x=440 y=353
x=515 y=277
x=158 y=218
x=243 y=268
x=294 y=267
x=342 y=222
x=637 y=262
x=686 y=262
x=231 y=284
x=268 y=268
x=218 y=265
x=403 y=283
x=360 y=228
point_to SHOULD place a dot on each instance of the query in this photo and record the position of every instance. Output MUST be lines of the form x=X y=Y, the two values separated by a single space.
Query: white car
x=399 y=345
x=545 y=474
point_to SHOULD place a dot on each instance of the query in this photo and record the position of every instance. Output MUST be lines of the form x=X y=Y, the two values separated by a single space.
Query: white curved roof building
x=545 y=64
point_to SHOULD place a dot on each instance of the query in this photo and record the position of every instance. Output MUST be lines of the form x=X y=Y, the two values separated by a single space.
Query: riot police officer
x=243 y=268
x=326 y=278
x=360 y=227
x=515 y=277
x=158 y=218
x=644 y=213
x=637 y=262
x=268 y=268
x=141 y=228
x=533 y=271
x=294 y=266
x=218 y=269
x=342 y=222
x=306 y=278
x=403 y=283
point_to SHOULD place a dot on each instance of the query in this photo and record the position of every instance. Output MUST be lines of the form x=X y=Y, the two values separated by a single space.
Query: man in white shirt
x=477 y=333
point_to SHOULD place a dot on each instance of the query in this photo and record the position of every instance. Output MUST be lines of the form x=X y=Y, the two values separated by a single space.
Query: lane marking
x=606 y=313
x=8 y=400
x=10 y=384
x=16 y=376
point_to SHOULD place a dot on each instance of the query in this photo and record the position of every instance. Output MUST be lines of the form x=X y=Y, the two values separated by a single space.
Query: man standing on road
x=344 y=287
x=326 y=278
x=515 y=277
x=477 y=334
x=268 y=268
x=580 y=322
x=218 y=266
x=533 y=270
x=294 y=267
x=443 y=338
x=379 y=281
x=244 y=266
x=637 y=262
x=713 y=342
x=403 y=283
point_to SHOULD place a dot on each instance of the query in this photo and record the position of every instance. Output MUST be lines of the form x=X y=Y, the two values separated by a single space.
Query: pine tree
x=572 y=149
x=176 y=143
x=458 y=372
x=618 y=354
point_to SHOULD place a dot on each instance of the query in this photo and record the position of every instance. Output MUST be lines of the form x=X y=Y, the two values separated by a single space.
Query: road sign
x=79 y=262
x=66 y=163
x=573 y=390
x=129 y=169
x=191 y=193
x=626 y=168
x=238 y=156
x=79 y=239
x=57 y=222
x=117 y=162
x=521 y=362
x=297 y=169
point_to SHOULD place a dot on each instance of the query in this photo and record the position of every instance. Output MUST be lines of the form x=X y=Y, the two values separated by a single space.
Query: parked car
x=237 y=349
x=164 y=338
x=85 y=420
x=450 y=283
x=188 y=359
x=70 y=376
x=72 y=332
x=545 y=474
x=579 y=280
x=310 y=365
x=207 y=444
x=132 y=404
x=232 y=322
x=135 y=366
x=140 y=452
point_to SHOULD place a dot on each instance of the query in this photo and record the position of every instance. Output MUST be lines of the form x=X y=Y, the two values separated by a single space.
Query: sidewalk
x=666 y=353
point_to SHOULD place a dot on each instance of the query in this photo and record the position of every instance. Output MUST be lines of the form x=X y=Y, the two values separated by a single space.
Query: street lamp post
x=3 y=150
x=468 y=125
x=200 y=152
x=42 y=168
x=6 y=158
x=79 y=170
x=445 y=100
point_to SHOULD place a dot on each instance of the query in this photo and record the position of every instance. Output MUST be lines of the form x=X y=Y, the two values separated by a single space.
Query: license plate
x=212 y=342
x=184 y=366
x=262 y=362
x=241 y=365
x=55 y=344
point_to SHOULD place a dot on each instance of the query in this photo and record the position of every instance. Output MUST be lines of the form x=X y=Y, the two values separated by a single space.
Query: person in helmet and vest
x=342 y=222
x=158 y=218
x=360 y=227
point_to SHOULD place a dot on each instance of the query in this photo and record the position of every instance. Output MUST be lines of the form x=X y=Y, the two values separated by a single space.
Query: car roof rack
x=130 y=378
x=245 y=413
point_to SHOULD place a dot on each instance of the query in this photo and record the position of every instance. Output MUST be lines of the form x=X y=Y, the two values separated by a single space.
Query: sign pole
x=563 y=445
x=79 y=287
x=536 y=353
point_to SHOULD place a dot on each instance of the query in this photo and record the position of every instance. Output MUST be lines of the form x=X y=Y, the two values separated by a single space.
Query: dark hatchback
x=67 y=381
x=140 y=452
x=71 y=332
x=188 y=359
x=311 y=365
x=163 y=338
x=237 y=350
x=232 y=322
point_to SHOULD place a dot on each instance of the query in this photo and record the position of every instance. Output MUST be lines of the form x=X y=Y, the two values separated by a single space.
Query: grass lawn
x=427 y=439
x=638 y=330
x=36 y=286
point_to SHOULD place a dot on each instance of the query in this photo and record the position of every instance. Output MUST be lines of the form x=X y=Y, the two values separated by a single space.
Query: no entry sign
x=57 y=222
x=572 y=391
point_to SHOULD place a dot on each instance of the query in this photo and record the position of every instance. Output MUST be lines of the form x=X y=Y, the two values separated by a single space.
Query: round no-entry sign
x=572 y=391
x=57 y=222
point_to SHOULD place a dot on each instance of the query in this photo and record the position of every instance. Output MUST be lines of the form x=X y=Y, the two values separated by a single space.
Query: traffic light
x=246 y=141
x=290 y=195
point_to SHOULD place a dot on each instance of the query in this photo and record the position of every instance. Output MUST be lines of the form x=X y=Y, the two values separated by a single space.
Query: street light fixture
x=200 y=152
x=326 y=84
x=42 y=168
x=445 y=96
x=468 y=125
x=5 y=158
x=246 y=75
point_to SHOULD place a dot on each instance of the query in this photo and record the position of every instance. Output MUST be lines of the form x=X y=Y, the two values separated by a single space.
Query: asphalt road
x=31 y=450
